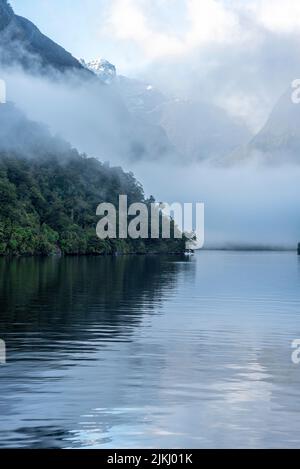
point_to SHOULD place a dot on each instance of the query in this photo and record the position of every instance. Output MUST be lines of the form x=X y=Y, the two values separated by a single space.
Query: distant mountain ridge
x=197 y=130
x=278 y=142
x=279 y=139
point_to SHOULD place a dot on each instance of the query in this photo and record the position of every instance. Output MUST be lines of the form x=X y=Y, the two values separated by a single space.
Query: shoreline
x=141 y=254
x=57 y=256
x=251 y=249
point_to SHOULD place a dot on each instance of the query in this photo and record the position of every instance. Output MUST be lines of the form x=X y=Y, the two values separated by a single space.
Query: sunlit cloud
x=278 y=16
x=207 y=21
x=201 y=23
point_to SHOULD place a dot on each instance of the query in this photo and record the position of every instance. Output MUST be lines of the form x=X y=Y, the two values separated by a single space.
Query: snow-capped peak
x=102 y=68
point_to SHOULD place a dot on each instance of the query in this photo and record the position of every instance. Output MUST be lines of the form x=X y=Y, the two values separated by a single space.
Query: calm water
x=150 y=351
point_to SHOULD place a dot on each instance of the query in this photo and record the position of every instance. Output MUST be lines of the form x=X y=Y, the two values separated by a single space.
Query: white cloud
x=205 y=22
x=282 y=16
x=127 y=21
x=208 y=21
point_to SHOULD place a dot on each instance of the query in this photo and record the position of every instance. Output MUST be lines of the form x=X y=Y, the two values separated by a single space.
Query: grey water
x=150 y=352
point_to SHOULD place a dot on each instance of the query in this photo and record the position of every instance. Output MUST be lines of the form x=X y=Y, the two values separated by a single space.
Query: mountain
x=24 y=137
x=197 y=130
x=191 y=130
x=145 y=139
x=6 y=14
x=104 y=70
x=116 y=131
x=143 y=99
x=279 y=139
x=49 y=194
x=21 y=42
x=201 y=131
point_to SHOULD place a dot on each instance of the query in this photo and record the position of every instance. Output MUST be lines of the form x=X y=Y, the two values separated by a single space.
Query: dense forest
x=49 y=194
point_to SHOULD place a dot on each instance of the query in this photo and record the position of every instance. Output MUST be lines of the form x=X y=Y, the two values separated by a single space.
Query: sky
x=132 y=33
x=74 y=24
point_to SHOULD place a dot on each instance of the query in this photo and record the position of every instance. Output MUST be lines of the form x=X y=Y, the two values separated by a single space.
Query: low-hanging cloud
x=87 y=113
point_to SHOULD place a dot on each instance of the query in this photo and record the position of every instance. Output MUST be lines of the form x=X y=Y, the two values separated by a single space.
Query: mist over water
x=249 y=206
